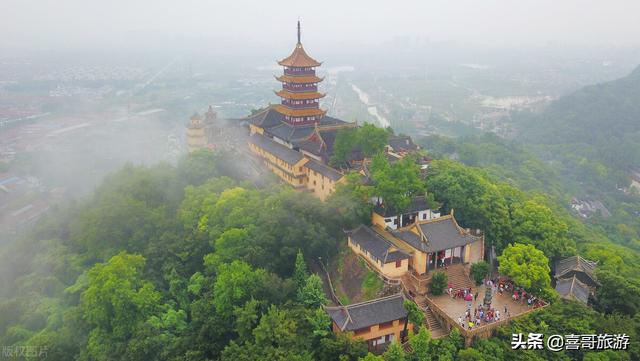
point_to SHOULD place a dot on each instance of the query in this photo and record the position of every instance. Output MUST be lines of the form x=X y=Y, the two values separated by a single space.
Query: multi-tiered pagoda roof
x=300 y=102
x=298 y=120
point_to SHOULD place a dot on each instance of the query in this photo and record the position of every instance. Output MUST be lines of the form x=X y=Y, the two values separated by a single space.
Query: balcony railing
x=297 y=89
x=312 y=105
x=299 y=71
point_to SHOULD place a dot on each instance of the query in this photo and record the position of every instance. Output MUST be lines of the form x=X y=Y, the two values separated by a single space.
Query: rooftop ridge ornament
x=299 y=32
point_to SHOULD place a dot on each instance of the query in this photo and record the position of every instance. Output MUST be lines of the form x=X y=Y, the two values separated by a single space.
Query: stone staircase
x=434 y=326
x=430 y=320
x=457 y=277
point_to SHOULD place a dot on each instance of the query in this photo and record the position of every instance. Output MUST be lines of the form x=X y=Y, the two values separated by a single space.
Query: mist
x=86 y=87
x=329 y=25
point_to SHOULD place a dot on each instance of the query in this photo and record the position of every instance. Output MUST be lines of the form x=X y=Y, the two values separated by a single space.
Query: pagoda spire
x=300 y=104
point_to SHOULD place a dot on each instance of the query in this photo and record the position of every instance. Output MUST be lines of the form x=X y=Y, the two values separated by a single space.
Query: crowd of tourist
x=518 y=294
x=476 y=316
x=480 y=316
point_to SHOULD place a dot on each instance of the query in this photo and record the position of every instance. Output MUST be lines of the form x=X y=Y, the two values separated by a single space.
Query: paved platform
x=456 y=307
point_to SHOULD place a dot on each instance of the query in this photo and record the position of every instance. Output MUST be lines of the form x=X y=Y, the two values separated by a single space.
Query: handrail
x=333 y=295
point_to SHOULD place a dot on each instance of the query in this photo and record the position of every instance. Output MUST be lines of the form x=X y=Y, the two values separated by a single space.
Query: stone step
x=433 y=325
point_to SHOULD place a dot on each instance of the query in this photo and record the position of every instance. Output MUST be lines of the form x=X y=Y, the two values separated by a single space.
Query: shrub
x=479 y=271
x=438 y=283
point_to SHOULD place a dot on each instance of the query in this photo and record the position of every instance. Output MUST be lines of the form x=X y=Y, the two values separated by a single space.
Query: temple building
x=195 y=133
x=378 y=322
x=394 y=219
x=201 y=131
x=428 y=242
x=575 y=278
x=294 y=139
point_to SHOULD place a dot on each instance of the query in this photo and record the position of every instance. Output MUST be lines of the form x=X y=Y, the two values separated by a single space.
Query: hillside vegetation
x=594 y=132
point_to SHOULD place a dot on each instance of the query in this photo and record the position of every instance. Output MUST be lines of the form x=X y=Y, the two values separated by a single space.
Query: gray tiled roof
x=417 y=204
x=572 y=288
x=266 y=118
x=444 y=233
x=288 y=155
x=314 y=147
x=271 y=121
x=401 y=143
x=369 y=313
x=290 y=133
x=325 y=170
x=412 y=239
x=376 y=244
x=321 y=148
x=441 y=233
x=576 y=263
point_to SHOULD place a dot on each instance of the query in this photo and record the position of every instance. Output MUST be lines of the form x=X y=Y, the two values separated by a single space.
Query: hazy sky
x=112 y=24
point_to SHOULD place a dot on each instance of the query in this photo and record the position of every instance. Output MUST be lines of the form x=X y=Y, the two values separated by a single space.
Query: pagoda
x=295 y=138
x=300 y=103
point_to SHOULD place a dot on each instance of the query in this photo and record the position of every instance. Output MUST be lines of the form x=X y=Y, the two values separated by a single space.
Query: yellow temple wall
x=376 y=332
x=195 y=139
x=476 y=252
x=321 y=186
x=378 y=220
x=419 y=262
x=255 y=129
x=293 y=174
x=389 y=270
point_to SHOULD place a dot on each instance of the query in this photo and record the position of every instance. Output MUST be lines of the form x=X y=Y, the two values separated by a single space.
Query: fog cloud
x=233 y=25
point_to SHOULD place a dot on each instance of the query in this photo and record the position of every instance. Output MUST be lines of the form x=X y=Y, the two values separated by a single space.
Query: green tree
x=420 y=345
x=371 y=139
x=312 y=294
x=470 y=354
x=198 y=166
x=117 y=300
x=276 y=337
x=479 y=271
x=368 y=138
x=344 y=143
x=396 y=183
x=300 y=272
x=534 y=223
x=414 y=314
x=320 y=323
x=617 y=294
x=372 y=357
x=438 y=283
x=341 y=346
x=236 y=284
x=246 y=318
x=526 y=266
x=196 y=283
x=394 y=353
x=479 y=202
x=233 y=244
x=351 y=201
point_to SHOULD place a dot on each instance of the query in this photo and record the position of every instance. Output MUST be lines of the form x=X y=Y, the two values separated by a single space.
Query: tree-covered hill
x=186 y=264
x=596 y=128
